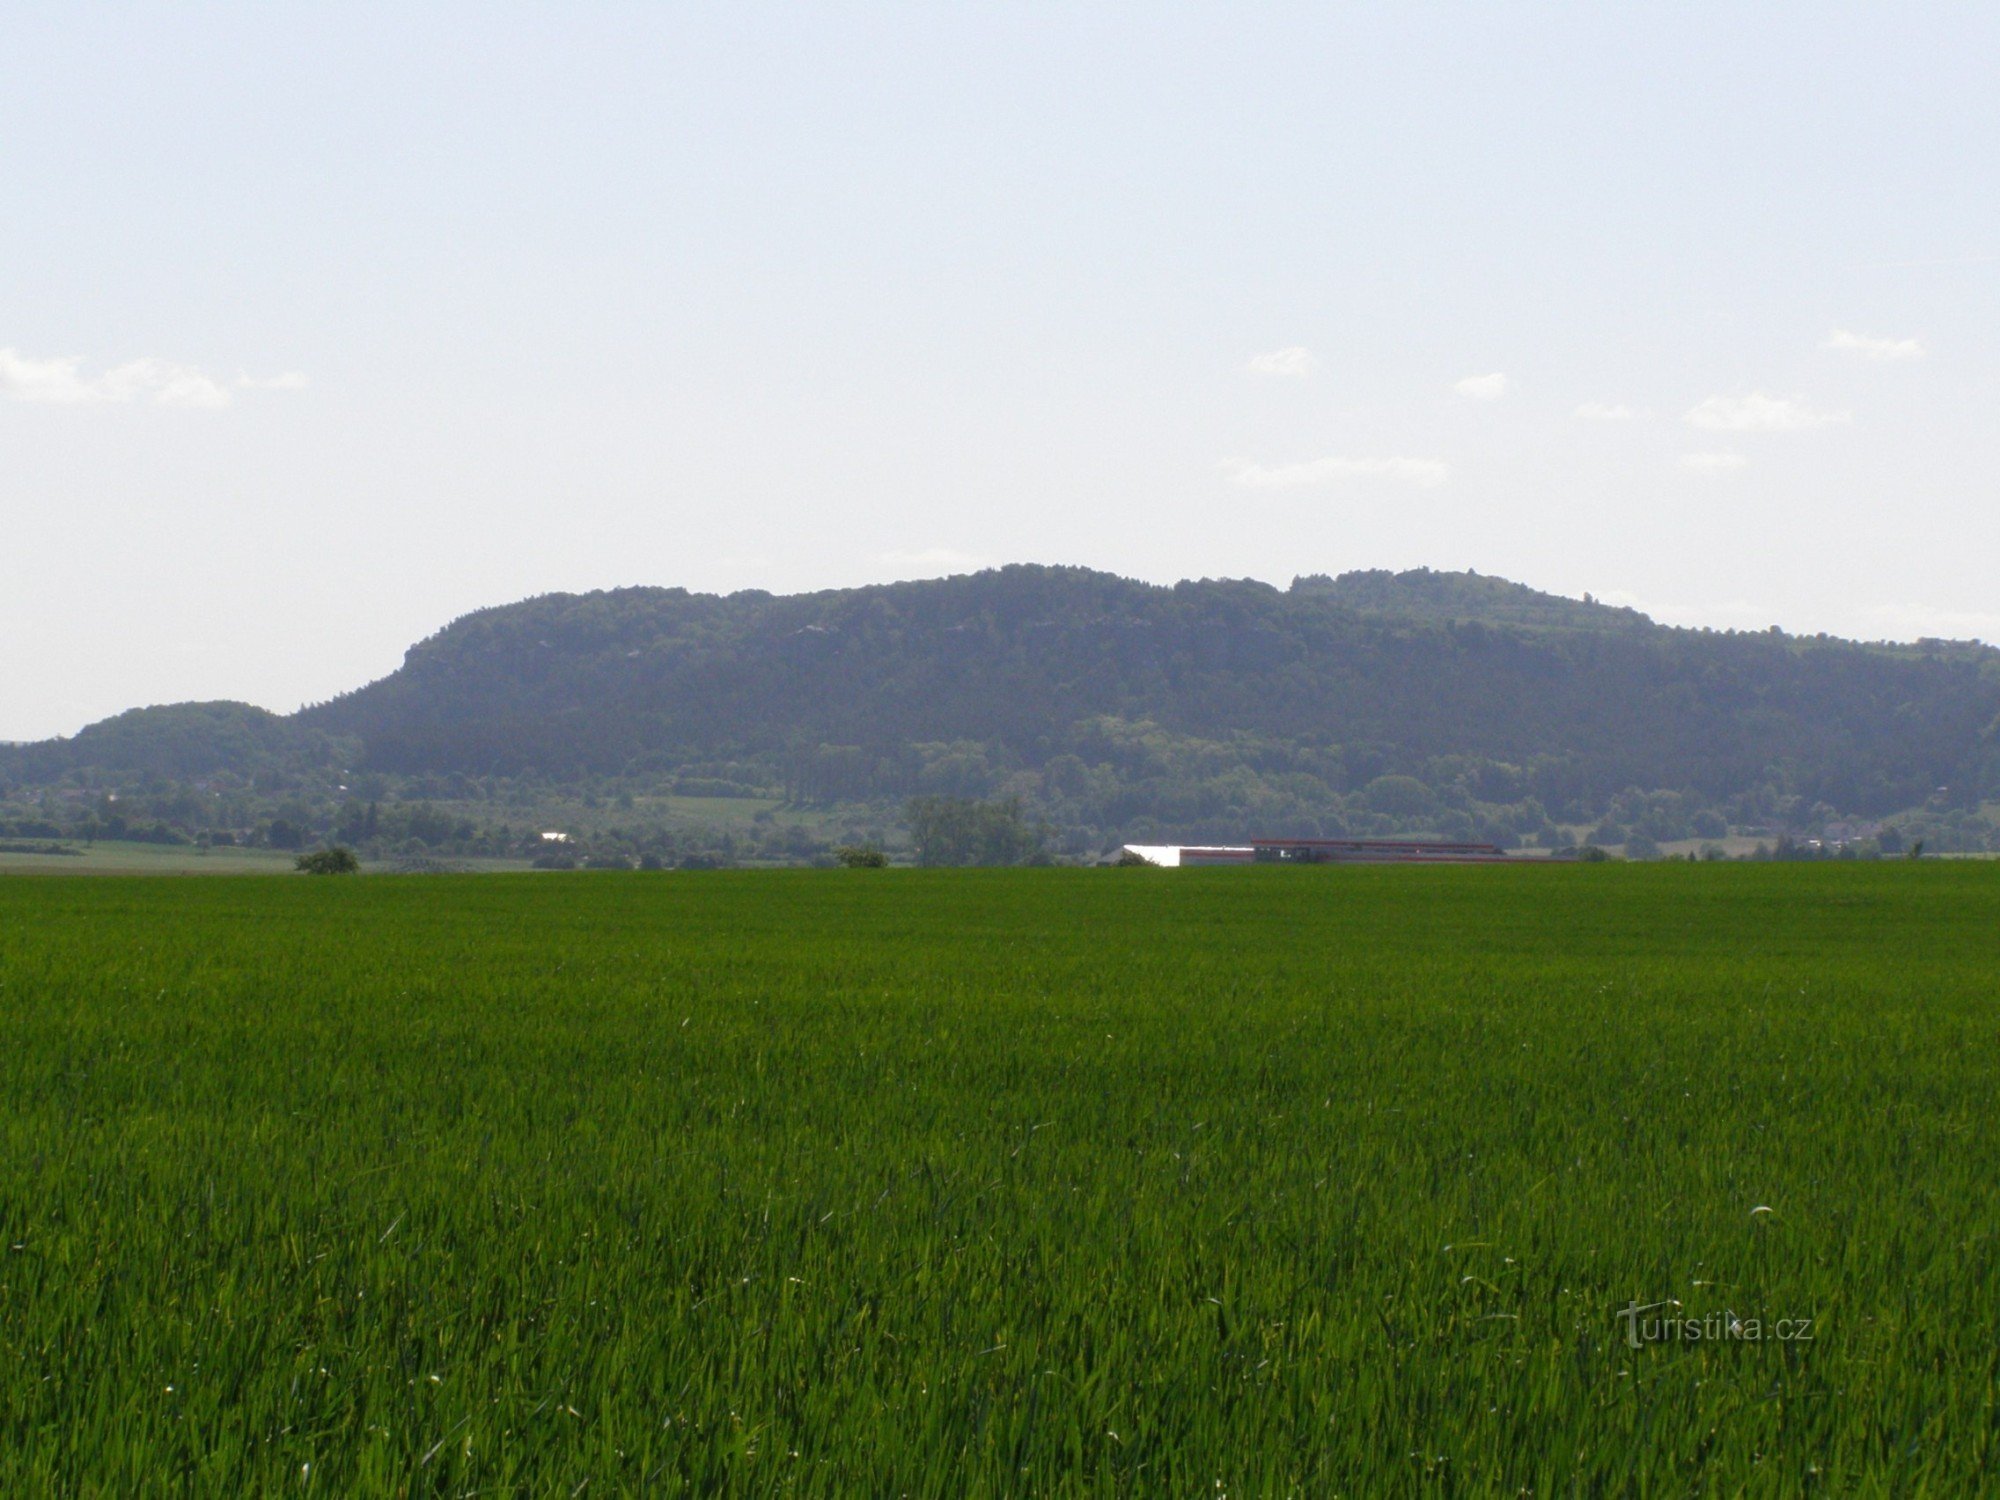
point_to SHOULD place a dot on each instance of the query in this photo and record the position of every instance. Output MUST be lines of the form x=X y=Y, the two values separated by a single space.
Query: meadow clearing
x=1262 y=1181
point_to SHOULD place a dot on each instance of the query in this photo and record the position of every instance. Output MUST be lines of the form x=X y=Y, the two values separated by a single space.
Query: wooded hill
x=1126 y=699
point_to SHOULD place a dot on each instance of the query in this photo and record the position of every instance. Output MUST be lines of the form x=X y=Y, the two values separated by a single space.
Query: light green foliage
x=1255 y=1181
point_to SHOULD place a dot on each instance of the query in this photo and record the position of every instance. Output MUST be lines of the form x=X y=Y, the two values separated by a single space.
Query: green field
x=1243 y=1182
x=105 y=857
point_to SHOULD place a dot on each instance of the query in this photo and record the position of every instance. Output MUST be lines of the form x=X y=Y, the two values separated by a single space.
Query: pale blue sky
x=325 y=324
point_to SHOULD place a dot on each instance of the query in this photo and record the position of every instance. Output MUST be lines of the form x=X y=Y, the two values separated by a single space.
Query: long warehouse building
x=1321 y=852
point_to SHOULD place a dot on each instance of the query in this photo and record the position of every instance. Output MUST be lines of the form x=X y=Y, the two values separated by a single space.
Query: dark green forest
x=1370 y=703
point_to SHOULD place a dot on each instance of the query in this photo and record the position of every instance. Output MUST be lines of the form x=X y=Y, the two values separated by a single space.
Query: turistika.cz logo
x=1666 y=1323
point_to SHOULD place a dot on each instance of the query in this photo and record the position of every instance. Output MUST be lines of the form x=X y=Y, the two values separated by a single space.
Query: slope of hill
x=1380 y=672
x=1082 y=689
x=179 y=740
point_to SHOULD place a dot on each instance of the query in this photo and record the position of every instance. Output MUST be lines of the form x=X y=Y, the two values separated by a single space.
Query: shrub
x=861 y=857
x=339 y=860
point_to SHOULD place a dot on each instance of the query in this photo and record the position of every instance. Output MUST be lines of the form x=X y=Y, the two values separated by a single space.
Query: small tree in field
x=861 y=857
x=961 y=831
x=335 y=861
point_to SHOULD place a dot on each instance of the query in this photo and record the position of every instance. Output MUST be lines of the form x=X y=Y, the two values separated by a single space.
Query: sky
x=322 y=325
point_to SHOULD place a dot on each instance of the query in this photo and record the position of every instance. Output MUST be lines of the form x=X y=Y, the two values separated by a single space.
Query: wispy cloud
x=1841 y=341
x=165 y=382
x=928 y=560
x=1484 y=387
x=1605 y=411
x=291 y=380
x=1295 y=362
x=24 y=379
x=1317 y=473
x=1713 y=463
x=1758 y=412
x=62 y=382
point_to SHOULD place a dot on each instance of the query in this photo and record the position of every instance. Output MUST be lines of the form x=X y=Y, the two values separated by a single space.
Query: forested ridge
x=1369 y=673
x=1111 y=704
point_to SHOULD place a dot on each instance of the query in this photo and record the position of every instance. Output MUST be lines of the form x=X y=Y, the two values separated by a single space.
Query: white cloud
x=1425 y=473
x=291 y=380
x=24 y=379
x=1713 y=463
x=931 y=560
x=1840 y=341
x=1758 y=412
x=163 y=381
x=1605 y=411
x=61 y=381
x=1294 y=362
x=1483 y=387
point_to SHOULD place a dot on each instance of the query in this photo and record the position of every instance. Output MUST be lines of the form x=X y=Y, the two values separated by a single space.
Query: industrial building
x=1321 y=852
